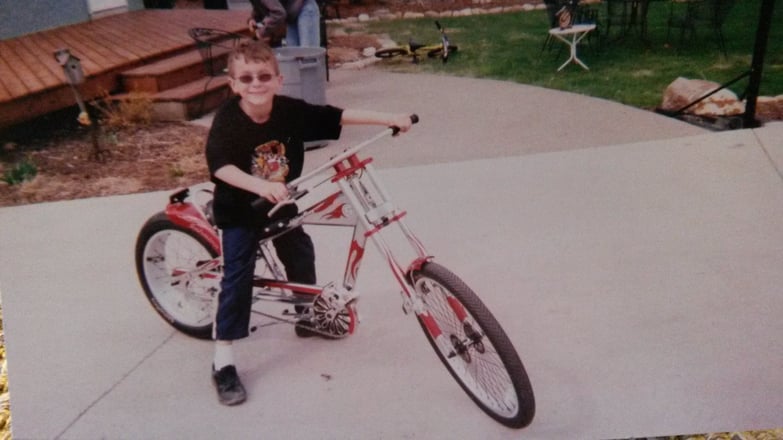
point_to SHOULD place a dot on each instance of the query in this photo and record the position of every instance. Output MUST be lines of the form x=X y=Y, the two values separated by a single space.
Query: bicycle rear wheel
x=167 y=259
x=473 y=347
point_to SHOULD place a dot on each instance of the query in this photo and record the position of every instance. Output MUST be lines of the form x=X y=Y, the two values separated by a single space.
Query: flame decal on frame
x=336 y=213
x=327 y=202
x=354 y=258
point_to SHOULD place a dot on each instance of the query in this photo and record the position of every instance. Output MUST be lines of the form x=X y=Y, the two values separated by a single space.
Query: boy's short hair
x=255 y=51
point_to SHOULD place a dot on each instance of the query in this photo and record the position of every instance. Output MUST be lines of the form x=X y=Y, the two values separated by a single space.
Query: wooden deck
x=32 y=83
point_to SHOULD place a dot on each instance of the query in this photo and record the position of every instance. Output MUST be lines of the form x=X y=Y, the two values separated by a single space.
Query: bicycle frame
x=416 y=50
x=355 y=198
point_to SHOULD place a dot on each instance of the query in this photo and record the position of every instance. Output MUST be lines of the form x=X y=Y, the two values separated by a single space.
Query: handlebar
x=263 y=204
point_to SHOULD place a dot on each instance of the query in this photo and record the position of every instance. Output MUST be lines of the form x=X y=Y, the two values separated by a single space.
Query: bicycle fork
x=366 y=193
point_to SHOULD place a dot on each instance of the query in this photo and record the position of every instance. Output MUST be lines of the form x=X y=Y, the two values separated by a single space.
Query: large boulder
x=683 y=91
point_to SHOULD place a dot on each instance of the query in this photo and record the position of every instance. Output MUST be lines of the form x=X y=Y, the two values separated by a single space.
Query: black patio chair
x=590 y=14
x=618 y=13
x=552 y=6
x=689 y=16
x=213 y=44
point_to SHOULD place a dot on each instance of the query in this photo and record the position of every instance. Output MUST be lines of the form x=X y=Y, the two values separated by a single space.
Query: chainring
x=334 y=313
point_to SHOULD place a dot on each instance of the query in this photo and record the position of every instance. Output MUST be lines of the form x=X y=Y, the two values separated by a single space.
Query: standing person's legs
x=306 y=32
x=292 y=35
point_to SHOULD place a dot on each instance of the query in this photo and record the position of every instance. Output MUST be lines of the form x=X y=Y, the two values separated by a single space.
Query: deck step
x=191 y=100
x=172 y=72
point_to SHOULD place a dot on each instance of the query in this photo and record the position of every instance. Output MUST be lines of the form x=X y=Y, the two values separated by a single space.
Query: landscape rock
x=683 y=91
x=769 y=108
x=411 y=14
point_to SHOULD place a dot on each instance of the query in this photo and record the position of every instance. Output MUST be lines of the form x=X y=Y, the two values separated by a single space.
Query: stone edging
x=368 y=54
x=385 y=14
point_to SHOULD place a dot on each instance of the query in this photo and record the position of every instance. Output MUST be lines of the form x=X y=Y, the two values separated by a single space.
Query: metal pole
x=757 y=64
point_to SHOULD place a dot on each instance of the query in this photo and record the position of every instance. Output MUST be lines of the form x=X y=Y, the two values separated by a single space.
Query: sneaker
x=229 y=388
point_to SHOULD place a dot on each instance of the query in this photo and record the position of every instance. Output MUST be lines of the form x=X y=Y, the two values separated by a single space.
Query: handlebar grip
x=414 y=120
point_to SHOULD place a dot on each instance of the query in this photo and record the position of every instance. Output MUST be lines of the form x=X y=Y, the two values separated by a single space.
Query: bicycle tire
x=187 y=304
x=480 y=356
x=390 y=52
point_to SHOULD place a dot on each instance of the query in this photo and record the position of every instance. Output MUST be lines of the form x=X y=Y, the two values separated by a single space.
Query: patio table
x=572 y=36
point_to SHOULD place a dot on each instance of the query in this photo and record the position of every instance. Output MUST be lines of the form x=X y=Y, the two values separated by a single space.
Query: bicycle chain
x=296 y=323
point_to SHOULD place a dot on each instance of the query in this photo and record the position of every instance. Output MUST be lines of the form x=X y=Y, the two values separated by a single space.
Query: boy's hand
x=275 y=192
x=402 y=121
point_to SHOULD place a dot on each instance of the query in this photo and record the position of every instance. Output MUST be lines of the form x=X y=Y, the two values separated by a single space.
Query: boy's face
x=255 y=82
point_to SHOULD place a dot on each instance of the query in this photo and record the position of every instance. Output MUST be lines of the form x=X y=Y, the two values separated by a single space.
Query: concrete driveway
x=634 y=261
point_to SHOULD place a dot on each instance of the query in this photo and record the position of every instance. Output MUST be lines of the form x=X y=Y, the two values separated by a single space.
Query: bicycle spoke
x=171 y=265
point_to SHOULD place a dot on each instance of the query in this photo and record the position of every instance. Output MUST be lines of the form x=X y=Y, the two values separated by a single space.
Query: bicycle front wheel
x=169 y=260
x=473 y=347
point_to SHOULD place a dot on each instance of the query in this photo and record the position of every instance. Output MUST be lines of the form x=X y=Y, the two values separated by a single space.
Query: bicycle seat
x=274 y=228
x=271 y=226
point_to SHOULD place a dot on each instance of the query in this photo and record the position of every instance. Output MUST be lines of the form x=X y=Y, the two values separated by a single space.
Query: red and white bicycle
x=179 y=264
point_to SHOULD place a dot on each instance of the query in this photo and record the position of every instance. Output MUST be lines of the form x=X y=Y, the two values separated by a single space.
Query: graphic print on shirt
x=269 y=162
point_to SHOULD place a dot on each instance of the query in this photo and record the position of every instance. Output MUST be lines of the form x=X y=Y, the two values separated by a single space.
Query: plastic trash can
x=304 y=73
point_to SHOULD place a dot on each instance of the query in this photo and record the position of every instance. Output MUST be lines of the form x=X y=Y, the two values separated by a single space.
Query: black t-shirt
x=273 y=150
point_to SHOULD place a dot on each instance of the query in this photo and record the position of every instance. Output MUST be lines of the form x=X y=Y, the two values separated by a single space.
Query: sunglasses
x=247 y=78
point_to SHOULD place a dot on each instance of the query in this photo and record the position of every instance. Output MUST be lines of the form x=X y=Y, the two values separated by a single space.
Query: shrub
x=134 y=109
x=21 y=171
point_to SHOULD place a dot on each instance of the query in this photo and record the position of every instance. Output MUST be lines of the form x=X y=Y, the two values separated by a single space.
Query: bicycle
x=414 y=50
x=178 y=261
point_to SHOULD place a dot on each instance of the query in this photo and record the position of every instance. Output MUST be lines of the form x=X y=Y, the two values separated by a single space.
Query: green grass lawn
x=509 y=47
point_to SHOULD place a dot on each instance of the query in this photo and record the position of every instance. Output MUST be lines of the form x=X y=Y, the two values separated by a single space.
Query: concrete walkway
x=634 y=261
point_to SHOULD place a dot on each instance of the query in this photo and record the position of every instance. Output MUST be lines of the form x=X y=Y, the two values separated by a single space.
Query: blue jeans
x=307 y=30
x=294 y=249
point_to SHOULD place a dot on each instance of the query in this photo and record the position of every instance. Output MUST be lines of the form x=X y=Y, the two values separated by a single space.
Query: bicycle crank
x=334 y=311
x=332 y=314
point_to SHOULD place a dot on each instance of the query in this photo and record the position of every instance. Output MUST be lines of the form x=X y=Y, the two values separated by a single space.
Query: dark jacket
x=275 y=14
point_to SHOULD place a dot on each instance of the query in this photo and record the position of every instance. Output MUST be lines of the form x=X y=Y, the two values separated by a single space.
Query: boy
x=255 y=145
